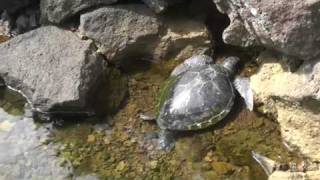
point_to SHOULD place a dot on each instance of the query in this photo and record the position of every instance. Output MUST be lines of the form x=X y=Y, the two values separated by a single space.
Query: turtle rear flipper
x=166 y=140
x=268 y=165
x=147 y=117
x=243 y=87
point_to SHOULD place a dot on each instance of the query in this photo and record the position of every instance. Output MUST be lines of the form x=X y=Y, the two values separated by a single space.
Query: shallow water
x=114 y=147
x=25 y=151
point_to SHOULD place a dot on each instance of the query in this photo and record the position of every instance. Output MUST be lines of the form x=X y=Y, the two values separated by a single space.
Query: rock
x=12 y=6
x=5 y=25
x=159 y=6
x=57 y=11
x=2 y=83
x=291 y=27
x=182 y=39
x=136 y=32
x=28 y=158
x=122 y=30
x=26 y=21
x=279 y=175
x=53 y=68
x=293 y=98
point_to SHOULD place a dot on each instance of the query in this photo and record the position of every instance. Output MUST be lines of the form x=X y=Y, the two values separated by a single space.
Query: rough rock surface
x=121 y=30
x=293 y=98
x=52 y=67
x=138 y=32
x=56 y=11
x=291 y=27
x=182 y=39
x=13 y=5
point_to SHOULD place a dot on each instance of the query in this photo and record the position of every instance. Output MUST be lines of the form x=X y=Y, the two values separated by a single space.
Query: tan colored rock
x=293 y=98
x=183 y=39
x=281 y=175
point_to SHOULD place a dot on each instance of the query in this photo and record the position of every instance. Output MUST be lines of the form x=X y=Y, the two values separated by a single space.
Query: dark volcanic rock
x=56 y=11
x=52 y=67
x=291 y=27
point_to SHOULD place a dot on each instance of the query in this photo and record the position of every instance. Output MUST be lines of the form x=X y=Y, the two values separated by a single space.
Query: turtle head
x=230 y=63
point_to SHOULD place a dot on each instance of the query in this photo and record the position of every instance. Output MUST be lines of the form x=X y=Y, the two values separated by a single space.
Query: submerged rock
x=53 y=68
x=291 y=27
x=23 y=154
x=130 y=31
x=293 y=98
x=57 y=11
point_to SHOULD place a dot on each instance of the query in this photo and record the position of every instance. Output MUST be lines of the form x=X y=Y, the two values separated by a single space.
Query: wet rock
x=279 y=25
x=57 y=11
x=279 y=175
x=53 y=68
x=87 y=177
x=293 y=98
x=138 y=32
x=23 y=156
x=13 y=5
x=2 y=83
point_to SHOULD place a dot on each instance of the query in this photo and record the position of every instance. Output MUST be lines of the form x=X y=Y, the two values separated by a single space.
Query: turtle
x=305 y=169
x=198 y=94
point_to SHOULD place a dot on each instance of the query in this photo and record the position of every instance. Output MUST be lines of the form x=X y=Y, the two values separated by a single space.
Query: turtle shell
x=196 y=99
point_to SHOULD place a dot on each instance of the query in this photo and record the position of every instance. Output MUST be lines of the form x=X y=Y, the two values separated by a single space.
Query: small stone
x=91 y=138
x=106 y=140
x=122 y=166
x=153 y=164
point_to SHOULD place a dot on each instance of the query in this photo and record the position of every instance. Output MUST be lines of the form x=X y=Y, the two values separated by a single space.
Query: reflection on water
x=25 y=151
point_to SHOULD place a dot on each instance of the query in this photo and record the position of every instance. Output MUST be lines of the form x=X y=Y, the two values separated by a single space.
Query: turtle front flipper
x=166 y=140
x=268 y=165
x=194 y=61
x=243 y=87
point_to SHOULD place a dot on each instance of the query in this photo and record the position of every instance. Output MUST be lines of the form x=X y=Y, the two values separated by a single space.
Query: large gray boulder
x=57 y=11
x=53 y=68
x=291 y=27
x=293 y=98
x=127 y=31
x=119 y=30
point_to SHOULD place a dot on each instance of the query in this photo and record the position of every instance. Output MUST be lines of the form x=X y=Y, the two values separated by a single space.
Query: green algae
x=164 y=93
x=12 y=102
x=219 y=152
